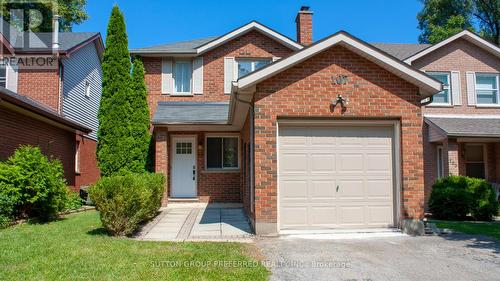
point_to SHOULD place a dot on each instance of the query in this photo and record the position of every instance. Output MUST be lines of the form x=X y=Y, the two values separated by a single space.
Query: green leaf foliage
x=32 y=184
x=125 y=201
x=455 y=197
x=123 y=135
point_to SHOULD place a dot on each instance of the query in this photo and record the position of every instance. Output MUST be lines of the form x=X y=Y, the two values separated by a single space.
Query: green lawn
x=76 y=248
x=485 y=228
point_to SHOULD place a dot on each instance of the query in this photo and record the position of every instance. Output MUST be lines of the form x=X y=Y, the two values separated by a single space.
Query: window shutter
x=229 y=74
x=456 y=93
x=471 y=88
x=11 y=77
x=198 y=76
x=166 y=76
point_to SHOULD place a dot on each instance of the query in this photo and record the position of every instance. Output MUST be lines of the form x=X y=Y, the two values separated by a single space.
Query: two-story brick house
x=308 y=136
x=68 y=90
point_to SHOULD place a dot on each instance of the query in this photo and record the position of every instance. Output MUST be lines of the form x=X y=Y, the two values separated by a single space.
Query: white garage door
x=335 y=177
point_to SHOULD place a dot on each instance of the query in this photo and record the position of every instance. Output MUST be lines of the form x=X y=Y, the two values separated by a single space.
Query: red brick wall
x=89 y=171
x=306 y=91
x=17 y=129
x=252 y=44
x=212 y=186
x=461 y=56
x=41 y=85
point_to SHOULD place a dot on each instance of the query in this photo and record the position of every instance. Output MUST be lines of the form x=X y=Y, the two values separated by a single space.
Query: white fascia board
x=428 y=85
x=246 y=28
x=467 y=35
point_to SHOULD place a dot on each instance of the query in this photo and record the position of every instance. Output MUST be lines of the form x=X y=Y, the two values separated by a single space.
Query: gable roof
x=466 y=127
x=428 y=85
x=401 y=51
x=467 y=35
x=200 y=46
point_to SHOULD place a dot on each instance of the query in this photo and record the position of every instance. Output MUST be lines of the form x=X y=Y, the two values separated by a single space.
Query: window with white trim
x=487 y=89
x=87 y=89
x=443 y=97
x=440 y=162
x=182 y=74
x=222 y=152
x=246 y=66
x=3 y=76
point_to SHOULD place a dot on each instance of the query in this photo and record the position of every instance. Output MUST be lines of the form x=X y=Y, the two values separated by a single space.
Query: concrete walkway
x=199 y=222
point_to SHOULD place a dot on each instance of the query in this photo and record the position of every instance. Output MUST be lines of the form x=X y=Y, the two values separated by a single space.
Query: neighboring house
x=71 y=90
x=462 y=123
x=255 y=117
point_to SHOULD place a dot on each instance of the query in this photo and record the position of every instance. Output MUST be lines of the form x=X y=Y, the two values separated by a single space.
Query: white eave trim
x=244 y=29
x=467 y=35
x=427 y=84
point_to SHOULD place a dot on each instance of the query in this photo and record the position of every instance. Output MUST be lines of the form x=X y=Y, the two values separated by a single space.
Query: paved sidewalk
x=199 y=222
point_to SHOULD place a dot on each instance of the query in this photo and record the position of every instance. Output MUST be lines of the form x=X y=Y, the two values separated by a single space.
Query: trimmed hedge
x=455 y=197
x=31 y=185
x=124 y=202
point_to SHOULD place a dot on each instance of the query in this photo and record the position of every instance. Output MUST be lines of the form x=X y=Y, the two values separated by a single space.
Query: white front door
x=183 y=167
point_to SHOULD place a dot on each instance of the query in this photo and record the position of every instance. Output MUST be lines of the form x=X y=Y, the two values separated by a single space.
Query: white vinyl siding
x=443 y=97
x=182 y=74
x=82 y=67
x=487 y=89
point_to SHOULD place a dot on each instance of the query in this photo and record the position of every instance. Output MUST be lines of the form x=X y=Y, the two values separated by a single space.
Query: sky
x=156 y=22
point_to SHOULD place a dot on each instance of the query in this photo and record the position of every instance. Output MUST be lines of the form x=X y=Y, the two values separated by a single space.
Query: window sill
x=215 y=171
x=182 y=95
x=487 y=105
x=440 y=105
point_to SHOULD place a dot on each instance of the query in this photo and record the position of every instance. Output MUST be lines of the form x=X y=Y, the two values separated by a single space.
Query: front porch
x=462 y=146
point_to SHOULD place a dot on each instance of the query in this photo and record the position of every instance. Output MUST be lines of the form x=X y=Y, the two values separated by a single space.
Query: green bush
x=455 y=197
x=126 y=201
x=34 y=183
x=6 y=210
x=74 y=201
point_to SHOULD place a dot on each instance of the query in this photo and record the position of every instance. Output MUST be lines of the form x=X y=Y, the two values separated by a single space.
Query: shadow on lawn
x=98 y=232
x=476 y=241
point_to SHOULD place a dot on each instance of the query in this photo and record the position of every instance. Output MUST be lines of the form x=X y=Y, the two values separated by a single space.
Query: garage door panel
x=350 y=162
x=322 y=189
x=294 y=217
x=294 y=189
x=293 y=162
x=323 y=216
x=356 y=159
x=321 y=163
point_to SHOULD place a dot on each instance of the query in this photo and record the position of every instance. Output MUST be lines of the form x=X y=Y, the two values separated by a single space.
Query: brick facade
x=212 y=186
x=89 y=172
x=41 y=85
x=462 y=56
x=306 y=91
x=18 y=129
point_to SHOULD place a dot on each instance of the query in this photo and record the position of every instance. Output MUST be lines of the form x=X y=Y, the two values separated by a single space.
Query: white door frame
x=194 y=139
x=397 y=169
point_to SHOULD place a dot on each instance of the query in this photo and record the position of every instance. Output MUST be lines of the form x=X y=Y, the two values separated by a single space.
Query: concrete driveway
x=199 y=222
x=451 y=257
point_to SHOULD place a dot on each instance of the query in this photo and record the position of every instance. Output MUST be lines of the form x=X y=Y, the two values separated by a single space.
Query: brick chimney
x=304 y=26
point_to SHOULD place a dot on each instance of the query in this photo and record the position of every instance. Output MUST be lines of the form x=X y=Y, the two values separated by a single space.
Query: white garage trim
x=396 y=165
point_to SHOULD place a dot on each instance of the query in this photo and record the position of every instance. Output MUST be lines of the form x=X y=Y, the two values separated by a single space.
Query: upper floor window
x=443 y=97
x=3 y=77
x=246 y=66
x=182 y=75
x=87 y=89
x=487 y=89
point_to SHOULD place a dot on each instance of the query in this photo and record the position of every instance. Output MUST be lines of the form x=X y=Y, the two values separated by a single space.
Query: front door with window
x=183 y=167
